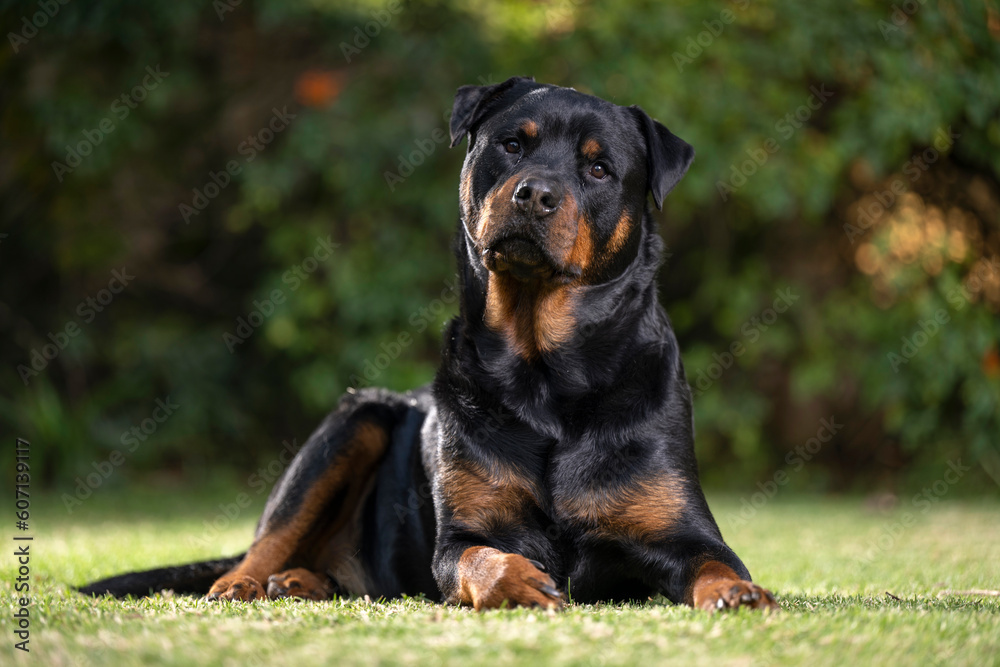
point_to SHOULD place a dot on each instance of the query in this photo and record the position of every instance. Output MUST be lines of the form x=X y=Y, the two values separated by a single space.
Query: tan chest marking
x=531 y=322
x=483 y=501
x=645 y=510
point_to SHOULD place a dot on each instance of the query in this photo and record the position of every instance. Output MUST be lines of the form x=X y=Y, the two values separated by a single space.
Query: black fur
x=609 y=406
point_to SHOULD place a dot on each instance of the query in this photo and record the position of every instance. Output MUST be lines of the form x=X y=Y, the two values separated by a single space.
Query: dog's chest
x=612 y=497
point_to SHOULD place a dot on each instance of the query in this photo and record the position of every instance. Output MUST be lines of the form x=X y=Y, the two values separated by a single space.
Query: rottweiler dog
x=554 y=451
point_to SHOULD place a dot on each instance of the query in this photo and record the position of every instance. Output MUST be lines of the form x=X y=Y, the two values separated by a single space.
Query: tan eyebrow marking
x=591 y=149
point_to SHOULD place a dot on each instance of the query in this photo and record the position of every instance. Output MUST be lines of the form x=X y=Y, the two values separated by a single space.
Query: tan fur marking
x=508 y=314
x=537 y=318
x=555 y=318
x=716 y=586
x=269 y=553
x=537 y=321
x=620 y=235
x=482 y=501
x=495 y=205
x=644 y=510
x=488 y=577
x=591 y=149
x=709 y=573
x=297 y=583
x=483 y=221
x=530 y=129
x=465 y=195
x=563 y=228
x=583 y=247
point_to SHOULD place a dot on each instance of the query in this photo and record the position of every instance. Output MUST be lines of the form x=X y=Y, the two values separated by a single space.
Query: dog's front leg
x=487 y=539
x=706 y=575
x=713 y=585
x=488 y=578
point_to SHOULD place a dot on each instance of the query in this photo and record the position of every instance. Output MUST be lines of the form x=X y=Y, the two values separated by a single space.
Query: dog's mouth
x=522 y=258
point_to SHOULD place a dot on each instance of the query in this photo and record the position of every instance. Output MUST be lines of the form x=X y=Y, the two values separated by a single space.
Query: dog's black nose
x=538 y=196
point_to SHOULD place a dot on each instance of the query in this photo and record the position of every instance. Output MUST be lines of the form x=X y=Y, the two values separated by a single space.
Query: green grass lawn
x=816 y=554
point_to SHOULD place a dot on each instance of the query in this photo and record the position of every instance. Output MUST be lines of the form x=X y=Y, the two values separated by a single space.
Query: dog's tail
x=190 y=579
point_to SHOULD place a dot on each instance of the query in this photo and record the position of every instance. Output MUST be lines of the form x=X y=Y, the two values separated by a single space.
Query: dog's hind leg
x=298 y=583
x=316 y=499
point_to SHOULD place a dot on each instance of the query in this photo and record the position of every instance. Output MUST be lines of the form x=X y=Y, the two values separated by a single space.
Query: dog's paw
x=297 y=583
x=732 y=594
x=236 y=587
x=492 y=579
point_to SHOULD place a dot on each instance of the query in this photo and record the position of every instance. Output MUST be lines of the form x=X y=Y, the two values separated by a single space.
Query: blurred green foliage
x=737 y=80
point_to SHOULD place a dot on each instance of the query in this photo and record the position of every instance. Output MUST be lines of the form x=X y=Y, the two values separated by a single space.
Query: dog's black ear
x=473 y=103
x=668 y=156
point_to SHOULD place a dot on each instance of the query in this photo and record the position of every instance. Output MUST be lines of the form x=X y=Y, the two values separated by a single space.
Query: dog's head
x=554 y=185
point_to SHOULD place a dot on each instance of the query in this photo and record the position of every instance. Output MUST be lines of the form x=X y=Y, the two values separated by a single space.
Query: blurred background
x=218 y=216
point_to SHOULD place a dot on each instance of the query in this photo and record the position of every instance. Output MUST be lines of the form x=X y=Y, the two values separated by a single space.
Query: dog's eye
x=512 y=146
x=599 y=170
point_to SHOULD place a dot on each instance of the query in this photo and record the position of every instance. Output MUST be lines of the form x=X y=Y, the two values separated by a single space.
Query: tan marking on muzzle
x=620 y=235
x=465 y=194
x=537 y=318
x=563 y=229
x=496 y=208
x=582 y=252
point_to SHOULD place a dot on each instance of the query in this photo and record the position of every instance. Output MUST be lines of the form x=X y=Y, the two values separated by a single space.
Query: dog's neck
x=555 y=344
